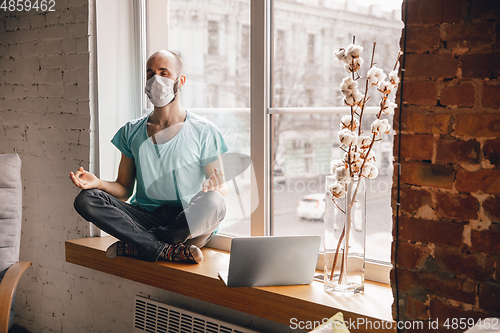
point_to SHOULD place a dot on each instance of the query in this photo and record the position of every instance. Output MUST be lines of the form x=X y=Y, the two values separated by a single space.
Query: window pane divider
x=204 y=111
x=320 y=110
x=259 y=118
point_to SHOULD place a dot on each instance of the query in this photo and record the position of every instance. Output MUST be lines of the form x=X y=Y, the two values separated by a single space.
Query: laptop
x=271 y=261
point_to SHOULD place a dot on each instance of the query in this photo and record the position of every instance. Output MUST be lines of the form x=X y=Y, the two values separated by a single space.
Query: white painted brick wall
x=44 y=117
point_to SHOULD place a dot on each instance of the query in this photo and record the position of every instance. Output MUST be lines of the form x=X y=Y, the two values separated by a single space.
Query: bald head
x=166 y=57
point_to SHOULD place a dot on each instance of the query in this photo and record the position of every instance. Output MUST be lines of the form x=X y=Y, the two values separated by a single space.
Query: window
x=310 y=48
x=218 y=88
x=291 y=129
x=306 y=105
x=309 y=97
x=118 y=65
x=245 y=41
x=213 y=37
x=280 y=45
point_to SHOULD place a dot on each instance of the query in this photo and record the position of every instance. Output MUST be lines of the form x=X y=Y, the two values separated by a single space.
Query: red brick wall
x=448 y=236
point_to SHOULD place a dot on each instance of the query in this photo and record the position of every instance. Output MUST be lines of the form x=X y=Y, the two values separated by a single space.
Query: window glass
x=304 y=144
x=213 y=39
x=245 y=41
x=116 y=44
x=310 y=48
x=280 y=45
x=308 y=32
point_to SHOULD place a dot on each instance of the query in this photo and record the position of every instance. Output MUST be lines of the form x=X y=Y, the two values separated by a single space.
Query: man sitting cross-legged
x=173 y=157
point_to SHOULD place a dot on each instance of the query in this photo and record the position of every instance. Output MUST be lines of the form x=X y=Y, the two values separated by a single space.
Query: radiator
x=155 y=317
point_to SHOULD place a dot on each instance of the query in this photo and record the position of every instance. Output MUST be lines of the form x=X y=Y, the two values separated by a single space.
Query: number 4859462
x=463 y=323
x=28 y=5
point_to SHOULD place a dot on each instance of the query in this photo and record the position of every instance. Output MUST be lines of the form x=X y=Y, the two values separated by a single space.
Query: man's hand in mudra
x=84 y=179
x=214 y=182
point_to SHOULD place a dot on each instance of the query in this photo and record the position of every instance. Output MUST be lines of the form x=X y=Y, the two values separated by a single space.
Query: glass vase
x=345 y=238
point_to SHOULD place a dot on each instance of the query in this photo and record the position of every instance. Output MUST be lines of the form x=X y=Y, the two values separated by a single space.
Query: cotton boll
x=346 y=119
x=345 y=122
x=353 y=65
x=385 y=87
x=388 y=126
x=340 y=54
x=366 y=170
x=351 y=84
x=351 y=94
x=354 y=51
x=371 y=155
x=358 y=62
x=348 y=68
x=370 y=171
x=345 y=91
x=335 y=164
x=347 y=86
x=337 y=190
x=364 y=142
x=346 y=157
x=373 y=172
x=354 y=157
x=343 y=134
x=358 y=97
x=347 y=137
x=381 y=126
x=389 y=108
x=349 y=100
x=341 y=173
x=375 y=75
x=394 y=78
x=371 y=76
x=376 y=126
x=344 y=88
x=356 y=165
x=353 y=138
x=380 y=74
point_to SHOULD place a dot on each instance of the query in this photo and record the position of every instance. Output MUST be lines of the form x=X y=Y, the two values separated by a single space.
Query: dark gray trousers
x=150 y=232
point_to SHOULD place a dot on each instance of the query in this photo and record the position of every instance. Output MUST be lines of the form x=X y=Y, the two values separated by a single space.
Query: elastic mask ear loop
x=178 y=88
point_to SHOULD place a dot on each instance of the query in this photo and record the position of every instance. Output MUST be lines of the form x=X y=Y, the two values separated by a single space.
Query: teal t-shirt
x=170 y=173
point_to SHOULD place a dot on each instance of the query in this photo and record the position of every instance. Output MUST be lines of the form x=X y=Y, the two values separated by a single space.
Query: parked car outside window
x=312 y=206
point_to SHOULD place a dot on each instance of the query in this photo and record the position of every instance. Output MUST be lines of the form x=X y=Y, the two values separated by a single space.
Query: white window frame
x=261 y=112
x=139 y=46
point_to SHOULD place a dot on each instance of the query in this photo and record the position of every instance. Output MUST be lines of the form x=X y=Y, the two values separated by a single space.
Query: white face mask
x=160 y=90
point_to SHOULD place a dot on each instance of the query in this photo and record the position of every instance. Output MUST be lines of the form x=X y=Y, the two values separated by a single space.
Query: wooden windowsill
x=280 y=304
